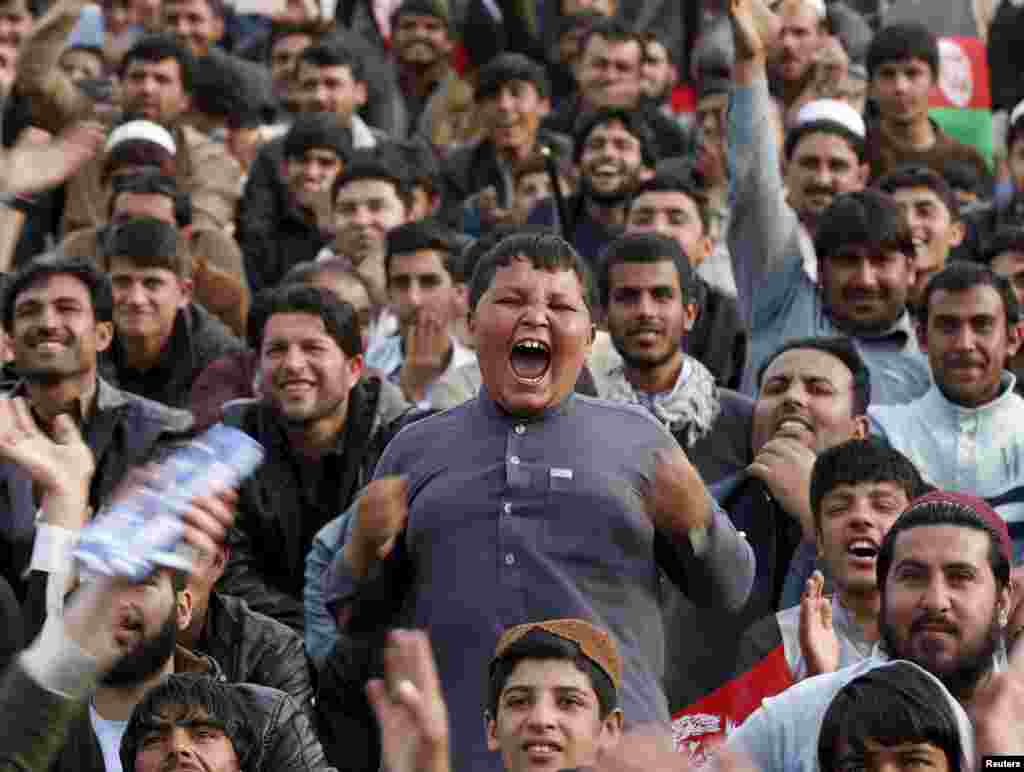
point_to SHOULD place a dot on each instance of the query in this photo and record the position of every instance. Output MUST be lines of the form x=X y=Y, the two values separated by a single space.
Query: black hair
x=145 y=242
x=316 y=131
x=152 y=182
x=614 y=31
x=156 y=47
x=332 y=54
x=223 y=92
x=961 y=275
x=421 y=234
x=858 y=461
x=182 y=692
x=962 y=175
x=823 y=126
x=545 y=251
x=539 y=644
x=44 y=266
x=433 y=8
x=310 y=270
x=472 y=253
x=371 y=164
x=632 y=120
x=339 y=317
x=933 y=513
x=646 y=248
x=843 y=350
x=672 y=182
x=508 y=67
x=891 y=705
x=863 y=218
x=897 y=42
x=419 y=160
x=1007 y=238
x=919 y=176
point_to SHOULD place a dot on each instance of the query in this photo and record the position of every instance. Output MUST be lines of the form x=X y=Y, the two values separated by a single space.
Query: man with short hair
x=156 y=83
x=1004 y=255
x=614 y=152
x=608 y=75
x=802 y=33
x=903 y=68
x=961 y=434
x=162 y=339
x=862 y=250
x=944 y=580
x=475 y=551
x=671 y=205
x=314 y=151
x=421 y=289
x=659 y=74
x=322 y=431
x=287 y=41
x=58 y=313
x=932 y=211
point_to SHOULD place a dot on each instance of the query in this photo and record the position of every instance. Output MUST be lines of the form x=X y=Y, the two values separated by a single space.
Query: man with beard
x=944 y=576
x=802 y=33
x=863 y=251
x=156 y=83
x=544 y=504
x=322 y=433
x=970 y=330
x=614 y=152
x=58 y=313
x=659 y=74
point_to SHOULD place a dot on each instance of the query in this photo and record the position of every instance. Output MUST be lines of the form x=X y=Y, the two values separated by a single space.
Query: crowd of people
x=639 y=385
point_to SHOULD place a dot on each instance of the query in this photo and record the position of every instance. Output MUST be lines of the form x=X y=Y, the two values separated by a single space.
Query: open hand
x=818 y=641
x=427 y=346
x=57 y=461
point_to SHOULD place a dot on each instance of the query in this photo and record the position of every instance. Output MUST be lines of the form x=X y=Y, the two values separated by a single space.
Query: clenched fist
x=381 y=515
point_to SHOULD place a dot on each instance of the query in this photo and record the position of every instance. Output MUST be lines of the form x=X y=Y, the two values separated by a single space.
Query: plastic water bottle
x=143 y=529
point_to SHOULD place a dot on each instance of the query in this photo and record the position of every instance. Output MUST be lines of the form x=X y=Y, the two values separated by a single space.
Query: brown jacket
x=205 y=169
x=884 y=156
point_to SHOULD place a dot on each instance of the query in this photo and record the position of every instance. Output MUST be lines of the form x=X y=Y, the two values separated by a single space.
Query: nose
x=646 y=307
x=964 y=340
x=179 y=741
x=935 y=597
x=293 y=358
x=865 y=275
x=505 y=100
x=361 y=216
x=542 y=715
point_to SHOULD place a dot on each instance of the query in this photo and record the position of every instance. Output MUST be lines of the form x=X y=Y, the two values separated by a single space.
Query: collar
x=1006 y=397
x=106 y=397
x=901 y=331
x=690 y=408
x=845 y=623
x=362 y=136
x=492 y=410
x=176 y=351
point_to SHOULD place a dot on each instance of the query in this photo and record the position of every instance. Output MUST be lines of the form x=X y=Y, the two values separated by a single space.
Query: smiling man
x=970 y=329
x=532 y=512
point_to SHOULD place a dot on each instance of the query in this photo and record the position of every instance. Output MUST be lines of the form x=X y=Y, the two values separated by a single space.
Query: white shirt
x=109 y=733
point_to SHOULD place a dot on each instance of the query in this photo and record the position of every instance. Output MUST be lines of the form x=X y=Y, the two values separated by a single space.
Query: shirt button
x=514 y=460
x=506 y=508
x=520 y=428
x=509 y=559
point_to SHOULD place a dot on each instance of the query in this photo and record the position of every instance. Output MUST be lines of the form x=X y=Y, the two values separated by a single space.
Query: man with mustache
x=963 y=433
x=802 y=33
x=614 y=152
x=862 y=252
x=944 y=576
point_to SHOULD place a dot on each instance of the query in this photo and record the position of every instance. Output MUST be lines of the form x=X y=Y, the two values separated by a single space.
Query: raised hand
x=381 y=515
x=818 y=641
x=31 y=166
x=426 y=352
x=677 y=500
x=410 y=707
x=755 y=28
x=997 y=710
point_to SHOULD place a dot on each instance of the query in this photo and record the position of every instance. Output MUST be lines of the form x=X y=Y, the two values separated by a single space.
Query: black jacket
x=198 y=339
x=253 y=648
x=279 y=513
x=718 y=339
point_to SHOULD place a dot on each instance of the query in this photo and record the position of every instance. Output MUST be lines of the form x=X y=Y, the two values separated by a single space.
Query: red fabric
x=696 y=730
x=684 y=99
x=963 y=75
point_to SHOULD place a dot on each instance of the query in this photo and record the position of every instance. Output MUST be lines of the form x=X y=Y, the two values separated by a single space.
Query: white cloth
x=109 y=734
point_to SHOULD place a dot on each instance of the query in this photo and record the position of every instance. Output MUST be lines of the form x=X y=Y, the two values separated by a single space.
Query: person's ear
x=361 y=94
x=544 y=107
x=921 y=328
x=185 y=286
x=861 y=427
x=957 y=232
x=1013 y=339
x=104 y=335
x=218 y=29
x=183 y=608
x=690 y=311
x=356 y=365
x=491 y=730
x=611 y=729
x=863 y=172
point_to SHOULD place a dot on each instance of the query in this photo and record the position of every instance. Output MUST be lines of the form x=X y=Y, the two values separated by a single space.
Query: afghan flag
x=961 y=101
x=696 y=730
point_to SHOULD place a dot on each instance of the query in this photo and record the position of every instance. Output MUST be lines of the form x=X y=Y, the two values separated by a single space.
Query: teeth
x=531 y=345
x=793 y=422
x=541 y=747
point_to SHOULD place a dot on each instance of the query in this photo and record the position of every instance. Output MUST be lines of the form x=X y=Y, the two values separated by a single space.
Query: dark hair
x=421 y=234
x=152 y=182
x=961 y=275
x=508 y=67
x=614 y=31
x=918 y=176
x=147 y=243
x=156 y=47
x=368 y=164
x=856 y=461
x=541 y=645
x=646 y=248
x=339 y=317
x=934 y=513
x=316 y=131
x=418 y=160
x=312 y=29
x=475 y=250
x=222 y=91
x=309 y=271
x=433 y=8
x=545 y=251
x=655 y=36
x=893 y=704
x=51 y=264
x=670 y=182
x=822 y=126
x=962 y=175
x=1008 y=238
x=334 y=55
x=632 y=120
x=903 y=41
x=843 y=350
x=218 y=701
x=864 y=218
